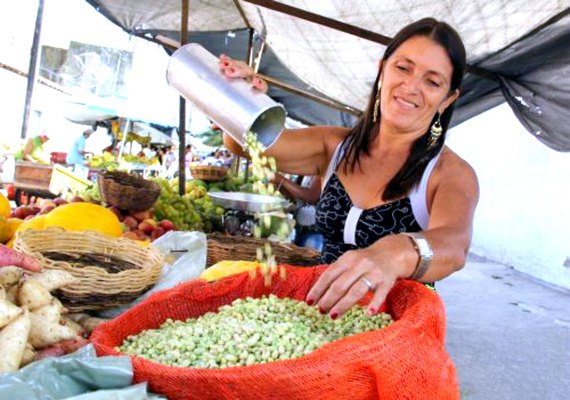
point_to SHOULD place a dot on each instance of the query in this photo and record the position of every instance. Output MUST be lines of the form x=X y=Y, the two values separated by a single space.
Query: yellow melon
x=5 y=208
x=84 y=216
x=4 y=230
x=33 y=223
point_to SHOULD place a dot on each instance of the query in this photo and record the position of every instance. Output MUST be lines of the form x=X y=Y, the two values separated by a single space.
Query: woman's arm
x=455 y=196
x=304 y=151
x=294 y=191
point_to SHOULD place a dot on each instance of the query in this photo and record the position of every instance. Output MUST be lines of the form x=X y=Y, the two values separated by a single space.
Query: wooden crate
x=47 y=178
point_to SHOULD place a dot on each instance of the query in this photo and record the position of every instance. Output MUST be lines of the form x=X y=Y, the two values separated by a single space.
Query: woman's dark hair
x=363 y=133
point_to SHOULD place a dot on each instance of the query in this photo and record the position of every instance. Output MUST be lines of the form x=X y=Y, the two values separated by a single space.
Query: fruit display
x=104 y=161
x=193 y=211
x=143 y=226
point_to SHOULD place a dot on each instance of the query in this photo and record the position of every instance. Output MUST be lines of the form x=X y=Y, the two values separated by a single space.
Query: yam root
x=78 y=316
x=51 y=312
x=12 y=294
x=9 y=257
x=65 y=320
x=29 y=355
x=33 y=294
x=54 y=279
x=51 y=351
x=8 y=312
x=61 y=348
x=90 y=323
x=44 y=333
x=13 y=339
x=10 y=275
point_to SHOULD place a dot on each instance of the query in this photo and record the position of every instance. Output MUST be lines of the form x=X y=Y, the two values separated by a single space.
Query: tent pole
x=330 y=103
x=242 y=13
x=320 y=20
x=124 y=139
x=182 y=108
x=32 y=69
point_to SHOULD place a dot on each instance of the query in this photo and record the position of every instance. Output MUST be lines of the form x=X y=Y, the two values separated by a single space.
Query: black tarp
x=533 y=76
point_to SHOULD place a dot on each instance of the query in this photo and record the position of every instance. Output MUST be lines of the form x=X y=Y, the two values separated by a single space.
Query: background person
x=76 y=155
x=33 y=150
x=396 y=202
x=305 y=195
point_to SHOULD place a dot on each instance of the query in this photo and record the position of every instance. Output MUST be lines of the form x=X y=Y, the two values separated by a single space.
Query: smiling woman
x=395 y=202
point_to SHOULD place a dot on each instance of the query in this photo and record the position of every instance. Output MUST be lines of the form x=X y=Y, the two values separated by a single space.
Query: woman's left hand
x=9 y=257
x=350 y=278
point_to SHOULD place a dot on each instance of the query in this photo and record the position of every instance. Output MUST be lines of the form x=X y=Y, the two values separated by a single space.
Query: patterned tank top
x=345 y=226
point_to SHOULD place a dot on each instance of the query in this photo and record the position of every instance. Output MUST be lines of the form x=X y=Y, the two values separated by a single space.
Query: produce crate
x=48 y=178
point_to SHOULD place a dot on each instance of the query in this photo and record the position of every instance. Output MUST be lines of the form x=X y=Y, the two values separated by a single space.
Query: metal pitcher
x=231 y=103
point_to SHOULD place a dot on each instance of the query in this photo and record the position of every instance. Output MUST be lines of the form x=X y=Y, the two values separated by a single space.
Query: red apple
x=146 y=227
x=167 y=225
x=151 y=221
x=46 y=202
x=131 y=222
x=141 y=215
x=76 y=199
x=130 y=235
x=23 y=211
x=36 y=210
x=141 y=235
x=158 y=232
x=59 y=201
x=46 y=209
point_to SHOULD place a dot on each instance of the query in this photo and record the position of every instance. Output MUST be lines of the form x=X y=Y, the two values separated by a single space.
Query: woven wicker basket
x=224 y=247
x=96 y=288
x=127 y=191
x=208 y=172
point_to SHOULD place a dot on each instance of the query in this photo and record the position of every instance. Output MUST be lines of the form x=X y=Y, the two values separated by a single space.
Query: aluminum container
x=231 y=103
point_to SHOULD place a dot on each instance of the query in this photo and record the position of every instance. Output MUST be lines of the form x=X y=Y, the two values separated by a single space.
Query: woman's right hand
x=238 y=69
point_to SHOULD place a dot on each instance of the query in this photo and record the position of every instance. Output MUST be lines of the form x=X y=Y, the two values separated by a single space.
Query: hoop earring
x=377 y=103
x=435 y=132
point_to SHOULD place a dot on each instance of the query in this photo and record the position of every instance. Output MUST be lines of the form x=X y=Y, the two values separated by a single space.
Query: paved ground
x=508 y=334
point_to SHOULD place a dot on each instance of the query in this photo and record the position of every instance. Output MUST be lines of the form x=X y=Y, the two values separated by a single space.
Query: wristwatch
x=425 y=253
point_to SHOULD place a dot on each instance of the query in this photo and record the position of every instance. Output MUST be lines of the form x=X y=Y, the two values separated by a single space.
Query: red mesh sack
x=406 y=360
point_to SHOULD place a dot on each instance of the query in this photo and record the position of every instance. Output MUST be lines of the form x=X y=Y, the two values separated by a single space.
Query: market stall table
x=45 y=180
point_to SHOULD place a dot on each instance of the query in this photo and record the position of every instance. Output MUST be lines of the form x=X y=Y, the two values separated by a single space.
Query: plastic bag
x=71 y=375
x=135 y=392
x=185 y=260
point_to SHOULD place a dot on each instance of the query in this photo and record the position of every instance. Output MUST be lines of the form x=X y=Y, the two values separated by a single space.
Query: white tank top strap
x=333 y=163
x=418 y=196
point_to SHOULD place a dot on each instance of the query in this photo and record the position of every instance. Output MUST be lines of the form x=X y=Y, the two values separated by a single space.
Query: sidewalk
x=509 y=335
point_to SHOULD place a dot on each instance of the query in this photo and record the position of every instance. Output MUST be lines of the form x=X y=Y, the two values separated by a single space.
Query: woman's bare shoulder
x=451 y=165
